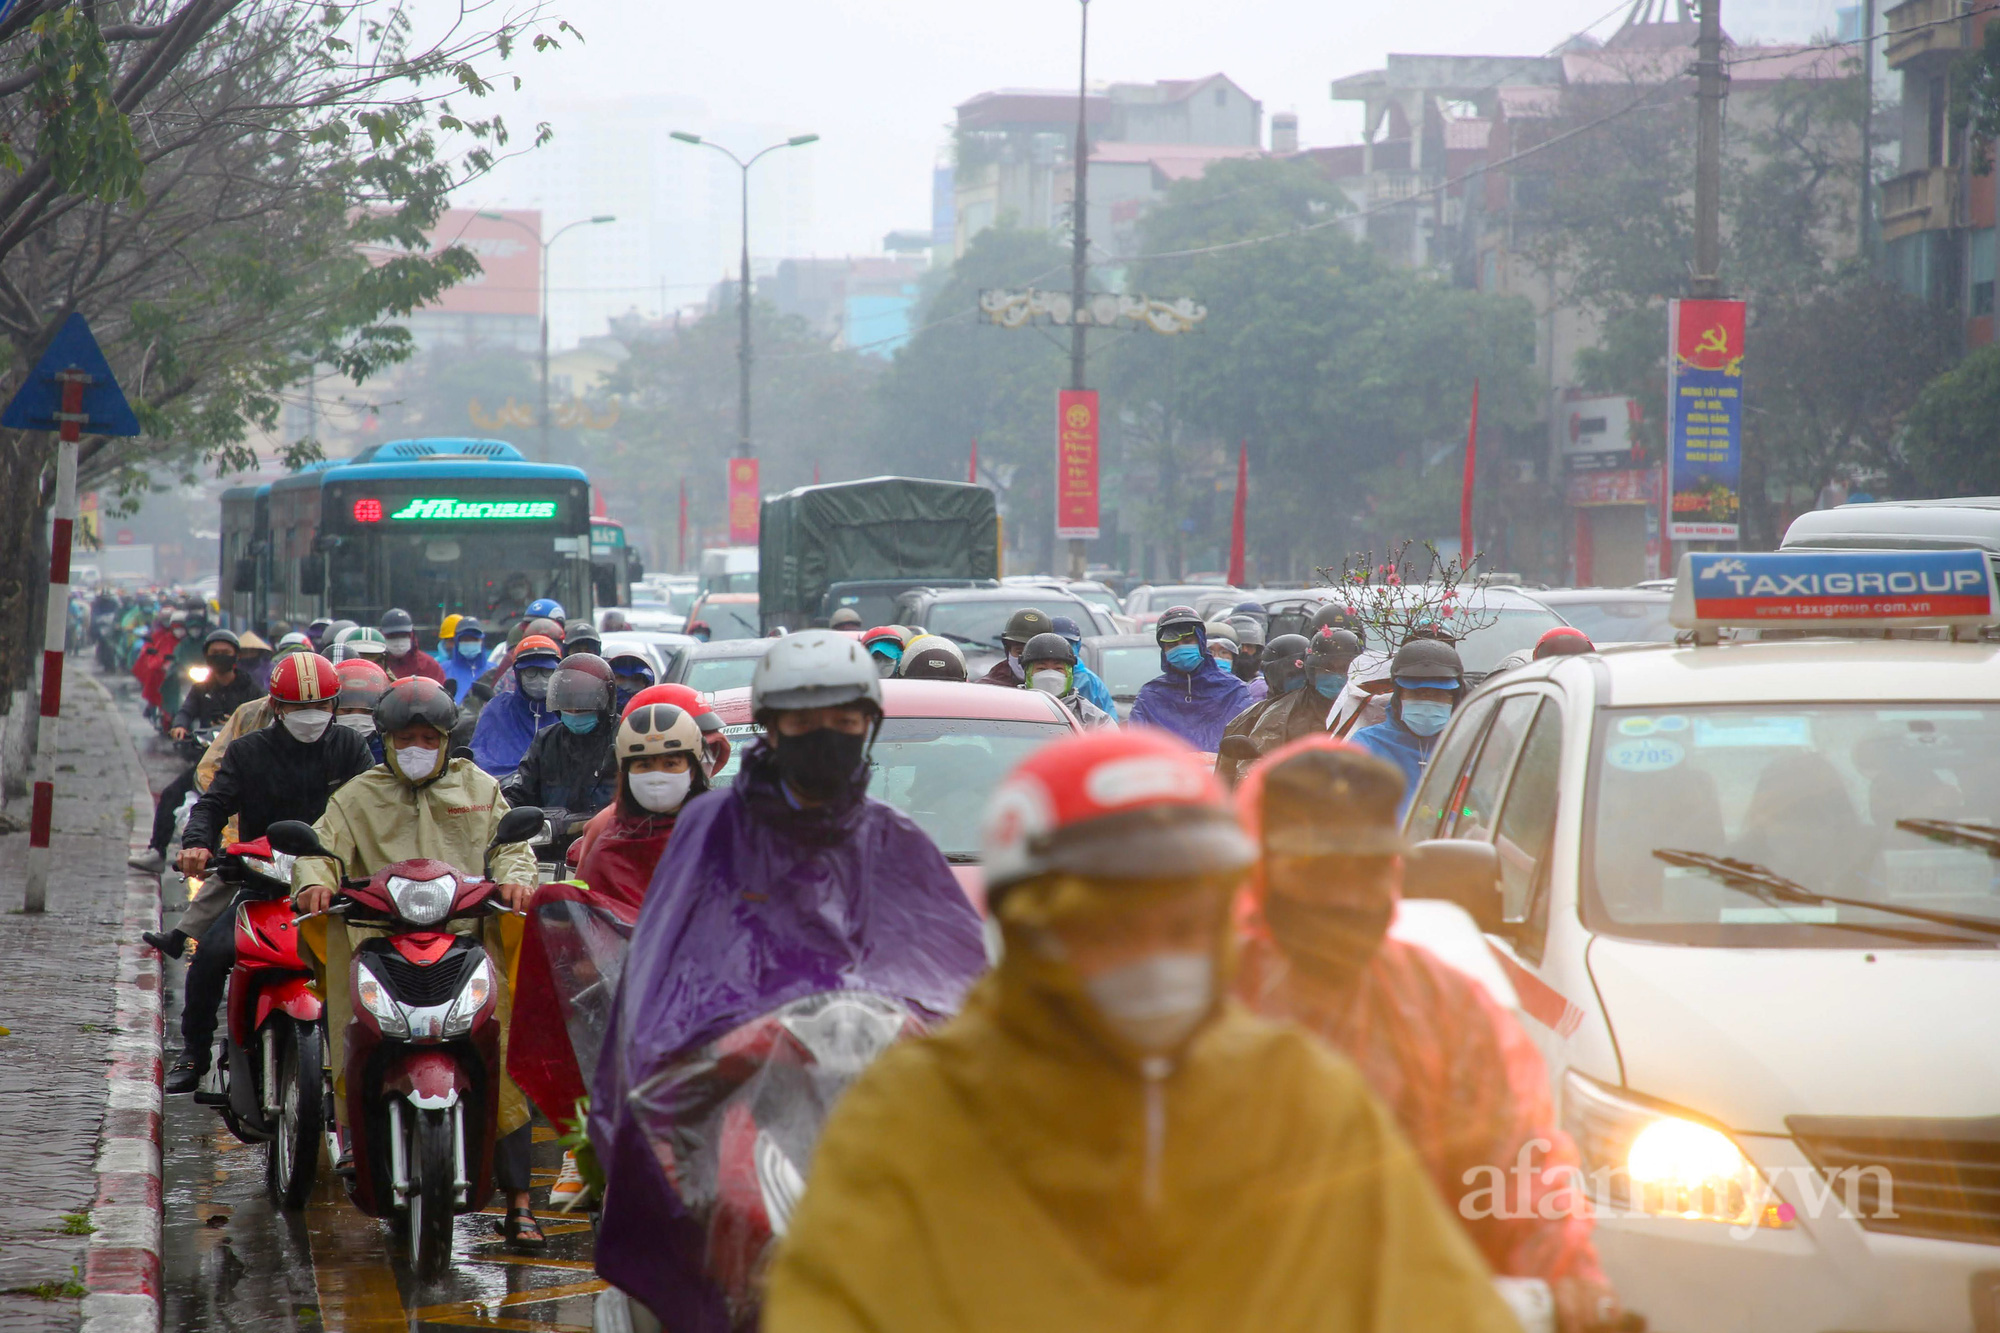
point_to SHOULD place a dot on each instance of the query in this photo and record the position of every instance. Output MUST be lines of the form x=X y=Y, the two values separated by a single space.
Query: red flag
x=972 y=468
x=1465 y=551
x=682 y=563
x=1236 y=520
x=597 y=509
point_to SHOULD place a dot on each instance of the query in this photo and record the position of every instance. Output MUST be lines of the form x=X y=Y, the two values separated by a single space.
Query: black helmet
x=1025 y=624
x=1427 y=659
x=216 y=636
x=584 y=683
x=1334 y=650
x=1336 y=615
x=1284 y=662
x=934 y=660
x=1249 y=629
x=396 y=621
x=415 y=699
x=1178 y=618
x=579 y=631
x=1050 y=647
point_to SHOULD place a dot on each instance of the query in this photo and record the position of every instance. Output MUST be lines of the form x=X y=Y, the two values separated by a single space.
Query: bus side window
x=1527 y=826
x=1441 y=775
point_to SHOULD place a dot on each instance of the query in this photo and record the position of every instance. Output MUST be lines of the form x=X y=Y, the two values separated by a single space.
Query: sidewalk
x=64 y=1153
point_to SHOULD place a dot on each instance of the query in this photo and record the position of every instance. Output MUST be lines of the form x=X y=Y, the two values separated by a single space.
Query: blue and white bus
x=434 y=526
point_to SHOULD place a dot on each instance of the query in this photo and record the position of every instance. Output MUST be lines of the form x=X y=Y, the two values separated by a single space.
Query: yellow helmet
x=448 y=627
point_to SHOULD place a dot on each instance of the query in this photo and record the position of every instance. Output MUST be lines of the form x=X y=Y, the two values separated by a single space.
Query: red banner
x=1076 y=463
x=743 y=500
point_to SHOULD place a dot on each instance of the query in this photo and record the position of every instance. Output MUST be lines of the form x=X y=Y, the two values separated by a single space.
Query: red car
x=943 y=748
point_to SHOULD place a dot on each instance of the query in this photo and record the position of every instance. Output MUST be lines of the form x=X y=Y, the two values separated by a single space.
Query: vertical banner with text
x=1076 y=464
x=743 y=501
x=1704 y=419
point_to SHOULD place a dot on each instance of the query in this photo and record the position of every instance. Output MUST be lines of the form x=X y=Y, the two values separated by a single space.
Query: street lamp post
x=597 y=221
x=743 y=288
x=1079 y=268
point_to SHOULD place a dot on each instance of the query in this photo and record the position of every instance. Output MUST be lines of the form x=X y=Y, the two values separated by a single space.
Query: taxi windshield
x=1894 y=805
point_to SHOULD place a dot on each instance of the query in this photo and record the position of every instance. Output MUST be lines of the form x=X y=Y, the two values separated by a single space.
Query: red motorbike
x=267 y=1077
x=423 y=1042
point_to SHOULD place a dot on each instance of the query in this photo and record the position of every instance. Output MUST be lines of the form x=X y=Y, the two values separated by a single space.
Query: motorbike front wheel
x=431 y=1166
x=291 y=1161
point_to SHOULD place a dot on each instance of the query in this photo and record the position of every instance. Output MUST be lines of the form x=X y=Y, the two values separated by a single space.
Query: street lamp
x=597 y=221
x=743 y=292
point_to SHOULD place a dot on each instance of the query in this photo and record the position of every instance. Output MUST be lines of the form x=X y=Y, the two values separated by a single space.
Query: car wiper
x=1984 y=836
x=962 y=858
x=959 y=638
x=1768 y=883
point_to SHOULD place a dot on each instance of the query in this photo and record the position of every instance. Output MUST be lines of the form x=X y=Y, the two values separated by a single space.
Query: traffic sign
x=39 y=403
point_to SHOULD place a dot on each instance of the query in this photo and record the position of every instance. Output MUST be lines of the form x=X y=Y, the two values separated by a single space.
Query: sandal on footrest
x=521 y=1228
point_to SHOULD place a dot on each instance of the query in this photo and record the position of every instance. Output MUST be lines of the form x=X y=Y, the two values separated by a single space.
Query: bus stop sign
x=38 y=404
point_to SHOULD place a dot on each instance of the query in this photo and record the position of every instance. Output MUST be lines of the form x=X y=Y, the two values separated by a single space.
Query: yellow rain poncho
x=1023 y=1170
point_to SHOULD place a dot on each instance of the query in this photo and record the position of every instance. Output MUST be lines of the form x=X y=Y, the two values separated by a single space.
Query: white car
x=1746 y=893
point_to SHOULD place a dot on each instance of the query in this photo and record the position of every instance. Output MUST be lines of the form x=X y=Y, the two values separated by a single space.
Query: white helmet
x=815 y=668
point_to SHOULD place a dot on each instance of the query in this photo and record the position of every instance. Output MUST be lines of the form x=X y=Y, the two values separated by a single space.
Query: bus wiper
x=1769 y=884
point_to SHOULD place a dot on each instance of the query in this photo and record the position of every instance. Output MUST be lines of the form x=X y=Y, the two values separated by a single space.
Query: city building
x=863 y=303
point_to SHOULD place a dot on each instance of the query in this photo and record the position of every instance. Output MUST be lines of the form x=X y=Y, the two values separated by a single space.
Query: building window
x=1979 y=266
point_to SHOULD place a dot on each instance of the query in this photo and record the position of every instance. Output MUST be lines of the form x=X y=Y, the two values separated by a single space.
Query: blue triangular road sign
x=36 y=405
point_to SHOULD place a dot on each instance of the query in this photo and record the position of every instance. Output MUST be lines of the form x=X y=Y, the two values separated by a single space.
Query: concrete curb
x=122 y=1267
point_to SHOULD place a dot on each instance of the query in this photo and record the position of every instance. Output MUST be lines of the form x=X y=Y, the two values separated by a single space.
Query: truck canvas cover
x=881 y=528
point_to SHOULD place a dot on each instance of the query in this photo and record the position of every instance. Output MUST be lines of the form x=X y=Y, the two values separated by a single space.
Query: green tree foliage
x=1948 y=441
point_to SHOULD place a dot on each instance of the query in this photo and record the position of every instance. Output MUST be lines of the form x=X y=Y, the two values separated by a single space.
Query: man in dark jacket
x=571 y=769
x=207 y=703
x=404 y=658
x=1022 y=626
x=1301 y=711
x=285 y=771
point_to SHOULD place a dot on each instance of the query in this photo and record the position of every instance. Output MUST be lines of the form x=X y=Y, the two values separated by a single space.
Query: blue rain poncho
x=1196 y=705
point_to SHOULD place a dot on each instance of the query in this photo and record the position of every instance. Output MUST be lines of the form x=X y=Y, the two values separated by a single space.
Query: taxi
x=1746 y=893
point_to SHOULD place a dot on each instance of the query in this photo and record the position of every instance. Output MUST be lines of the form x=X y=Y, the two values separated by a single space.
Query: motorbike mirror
x=1461 y=871
x=295 y=837
x=517 y=825
x=1239 y=748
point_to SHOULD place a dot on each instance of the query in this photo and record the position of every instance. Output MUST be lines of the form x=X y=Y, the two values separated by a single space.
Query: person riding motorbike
x=844 y=617
x=631 y=672
x=1222 y=645
x=420 y=803
x=466 y=660
x=519 y=710
x=283 y=772
x=928 y=657
x=1465 y=1083
x=1050 y=664
x=207 y=703
x=1088 y=683
x=571 y=770
x=401 y=656
x=715 y=744
x=1103 y=1139
x=1191 y=697
x=1022 y=626
x=699 y=630
x=359 y=641
x=789 y=883
x=188 y=652
x=1250 y=639
x=254 y=657
x=1426 y=680
x=361 y=687
x=1283 y=718
x=885 y=643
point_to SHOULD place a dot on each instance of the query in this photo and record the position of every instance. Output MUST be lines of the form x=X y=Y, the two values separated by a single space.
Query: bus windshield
x=489 y=573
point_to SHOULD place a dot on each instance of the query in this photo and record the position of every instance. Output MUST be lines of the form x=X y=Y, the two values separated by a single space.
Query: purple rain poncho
x=1196 y=705
x=757 y=903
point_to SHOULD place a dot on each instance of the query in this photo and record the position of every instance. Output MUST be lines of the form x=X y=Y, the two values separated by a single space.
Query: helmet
x=317 y=627
x=1252 y=607
x=844 y=617
x=397 y=621
x=537 y=645
x=448 y=627
x=928 y=657
x=579 y=632
x=304 y=678
x=292 y=643
x=1050 y=647
x=415 y=699
x=466 y=627
x=894 y=633
x=1338 y=616
x=1563 y=641
x=582 y=684
x=1249 y=629
x=658 y=729
x=177 y=618
x=1025 y=624
x=1220 y=629
x=1427 y=660
x=1136 y=804
x=693 y=626
x=544 y=608
x=547 y=628
x=333 y=631
x=1068 y=628
x=680 y=696
x=1284 y=662
x=1334 y=650
x=629 y=663
x=216 y=636
x=360 y=640
x=1176 y=619
x=815 y=668
x=361 y=683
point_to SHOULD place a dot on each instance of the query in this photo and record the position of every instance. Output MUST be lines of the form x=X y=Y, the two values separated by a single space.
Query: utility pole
x=1712 y=86
x=1079 y=264
x=1866 y=240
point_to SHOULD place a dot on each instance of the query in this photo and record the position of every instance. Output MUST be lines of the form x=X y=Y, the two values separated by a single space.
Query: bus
x=614 y=565
x=432 y=526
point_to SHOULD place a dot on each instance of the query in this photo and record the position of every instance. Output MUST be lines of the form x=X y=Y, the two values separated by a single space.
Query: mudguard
x=294 y=995
x=427 y=1075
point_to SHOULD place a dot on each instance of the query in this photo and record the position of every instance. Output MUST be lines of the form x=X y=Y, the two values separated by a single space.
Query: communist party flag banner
x=1076 y=464
x=1704 y=419
x=743 y=500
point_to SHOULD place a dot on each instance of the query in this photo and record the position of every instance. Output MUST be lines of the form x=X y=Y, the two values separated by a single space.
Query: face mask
x=1014 y=665
x=885 y=667
x=416 y=763
x=361 y=722
x=821 y=765
x=1051 y=682
x=221 y=666
x=471 y=649
x=580 y=723
x=1425 y=718
x=1329 y=685
x=309 y=725
x=398 y=644
x=1333 y=943
x=1224 y=660
x=534 y=681
x=1245 y=666
x=659 y=792
x=1156 y=1002
x=1184 y=657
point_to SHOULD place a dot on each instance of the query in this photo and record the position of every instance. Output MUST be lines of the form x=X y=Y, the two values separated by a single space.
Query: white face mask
x=361 y=722
x=417 y=764
x=308 y=725
x=398 y=644
x=1156 y=1002
x=1049 y=682
x=659 y=792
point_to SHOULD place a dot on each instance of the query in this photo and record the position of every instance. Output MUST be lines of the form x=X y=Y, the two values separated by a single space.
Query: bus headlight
x=376 y=999
x=1651 y=1159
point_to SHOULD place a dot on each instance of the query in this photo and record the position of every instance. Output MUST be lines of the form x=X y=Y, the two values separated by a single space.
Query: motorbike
x=423 y=1042
x=267 y=1078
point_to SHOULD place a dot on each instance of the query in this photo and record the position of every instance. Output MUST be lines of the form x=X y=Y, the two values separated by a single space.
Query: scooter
x=423 y=1042
x=268 y=1078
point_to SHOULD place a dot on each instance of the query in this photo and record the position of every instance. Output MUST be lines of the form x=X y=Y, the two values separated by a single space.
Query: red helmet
x=537 y=645
x=361 y=683
x=1137 y=804
x=1563 y=641
x=304 y=678
x=682 y=697
x=880 y=632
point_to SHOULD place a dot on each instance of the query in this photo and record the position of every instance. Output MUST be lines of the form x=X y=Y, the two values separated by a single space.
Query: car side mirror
x=1458 y=870
x=1240 y=748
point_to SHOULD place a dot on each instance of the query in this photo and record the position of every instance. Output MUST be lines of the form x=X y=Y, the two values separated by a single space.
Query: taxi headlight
x=471 y=999
x=375 y=998
x=423 y=902
x=1650 y=1159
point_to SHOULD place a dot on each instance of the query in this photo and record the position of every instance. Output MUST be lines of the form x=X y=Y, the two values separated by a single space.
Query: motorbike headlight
x=198 y=674
x=1646 y=1158
x=375 y=998
x=423 y=902
x=472 y=997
